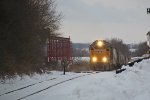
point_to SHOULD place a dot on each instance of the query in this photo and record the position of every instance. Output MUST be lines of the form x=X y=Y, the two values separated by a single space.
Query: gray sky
x=88 y=20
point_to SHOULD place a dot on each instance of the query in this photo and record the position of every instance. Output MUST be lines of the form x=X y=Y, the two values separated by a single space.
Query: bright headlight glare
x=100 y=43
x=104 y=59
x=94 y=59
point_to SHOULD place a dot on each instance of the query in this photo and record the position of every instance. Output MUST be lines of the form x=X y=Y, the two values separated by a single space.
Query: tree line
x=120 y=46
x=25 y=26
x=142 y=49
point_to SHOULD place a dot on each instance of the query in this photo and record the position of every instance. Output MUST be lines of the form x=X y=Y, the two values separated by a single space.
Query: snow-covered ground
x=131 y=84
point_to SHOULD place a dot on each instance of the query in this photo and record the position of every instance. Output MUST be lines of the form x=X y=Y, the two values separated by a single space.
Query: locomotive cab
x=104 y=57
x=100 y=55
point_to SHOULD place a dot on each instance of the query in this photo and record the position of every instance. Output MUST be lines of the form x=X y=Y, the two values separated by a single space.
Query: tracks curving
x=26 y=87
x=55 y=82
x=54 y=85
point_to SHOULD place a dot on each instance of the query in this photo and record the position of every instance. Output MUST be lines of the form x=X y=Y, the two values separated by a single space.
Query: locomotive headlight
x=100 y=43
x=94 y=59
x=104 y=59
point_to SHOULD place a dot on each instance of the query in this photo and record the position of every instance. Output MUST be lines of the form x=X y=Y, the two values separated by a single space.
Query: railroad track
x=26 y=87
x=51 y=86
x=40 y=90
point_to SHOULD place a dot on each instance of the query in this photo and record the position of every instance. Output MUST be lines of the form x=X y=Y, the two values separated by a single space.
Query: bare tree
x=122 y=47
x=25 y=26
x=142 y=49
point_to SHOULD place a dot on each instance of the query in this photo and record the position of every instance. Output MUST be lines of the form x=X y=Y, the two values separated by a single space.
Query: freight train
x=104 y=57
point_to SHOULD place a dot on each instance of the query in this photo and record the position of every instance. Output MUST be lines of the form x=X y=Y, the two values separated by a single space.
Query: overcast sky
x=89 y=20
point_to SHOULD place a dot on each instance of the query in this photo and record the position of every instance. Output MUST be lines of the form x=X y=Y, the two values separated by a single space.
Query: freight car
x=104 y=57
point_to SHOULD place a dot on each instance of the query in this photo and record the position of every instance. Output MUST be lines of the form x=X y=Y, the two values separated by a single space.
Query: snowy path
x=34 y=88
x=132 y=84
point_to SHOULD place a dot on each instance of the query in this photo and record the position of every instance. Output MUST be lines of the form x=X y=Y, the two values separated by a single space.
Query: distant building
x=148 y=38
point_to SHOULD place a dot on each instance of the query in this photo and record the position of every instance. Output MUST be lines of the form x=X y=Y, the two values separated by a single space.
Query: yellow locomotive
x=105 y=57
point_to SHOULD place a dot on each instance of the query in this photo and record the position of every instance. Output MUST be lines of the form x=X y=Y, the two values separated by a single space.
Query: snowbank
x=132 y=84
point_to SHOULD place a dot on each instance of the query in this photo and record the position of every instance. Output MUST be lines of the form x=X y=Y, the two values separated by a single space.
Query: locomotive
x=104 y=57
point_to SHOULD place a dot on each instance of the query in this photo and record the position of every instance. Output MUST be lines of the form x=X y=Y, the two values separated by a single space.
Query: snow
x=132 y=50
x=131 y=84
